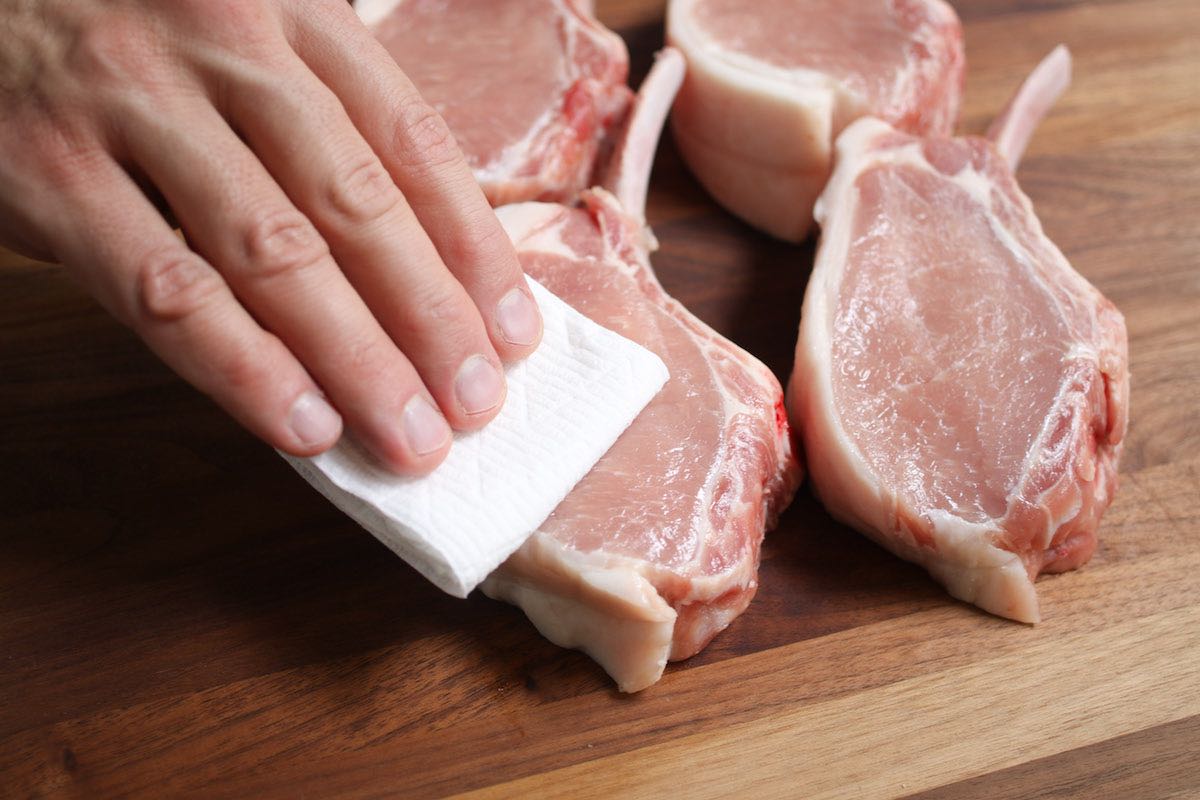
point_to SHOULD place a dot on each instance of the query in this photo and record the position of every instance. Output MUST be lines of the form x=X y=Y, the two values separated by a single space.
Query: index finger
x=425 y=162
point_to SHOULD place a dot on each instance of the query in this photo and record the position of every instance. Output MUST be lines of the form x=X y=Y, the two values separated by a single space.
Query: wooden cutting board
x=179 y=613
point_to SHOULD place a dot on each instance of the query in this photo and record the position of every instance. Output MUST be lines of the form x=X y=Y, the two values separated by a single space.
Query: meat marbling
x=771 y=83
x=961 y=390
x=531 y=89
x=656 y=550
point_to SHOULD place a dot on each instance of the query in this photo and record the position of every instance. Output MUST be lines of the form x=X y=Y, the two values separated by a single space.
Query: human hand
x=339 y=254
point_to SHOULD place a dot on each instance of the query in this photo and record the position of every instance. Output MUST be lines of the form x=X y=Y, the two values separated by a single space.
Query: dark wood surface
x=180 y=614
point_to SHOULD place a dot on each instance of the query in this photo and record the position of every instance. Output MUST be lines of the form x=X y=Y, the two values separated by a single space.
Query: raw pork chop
x=961 y=390
x=771 y=83
x=656 y=550
x=531 y=89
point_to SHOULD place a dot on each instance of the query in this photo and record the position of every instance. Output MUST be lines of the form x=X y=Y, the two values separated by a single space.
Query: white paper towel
x=567 y=403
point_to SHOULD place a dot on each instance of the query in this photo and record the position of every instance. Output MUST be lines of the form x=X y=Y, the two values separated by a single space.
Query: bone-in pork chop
x=656 y=550
x=771 y=83
x=961 y=390
x=531 y=89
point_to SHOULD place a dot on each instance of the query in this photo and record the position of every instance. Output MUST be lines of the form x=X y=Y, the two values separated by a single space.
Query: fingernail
x=518 y=317
x=313 y=420
x=479 y=385
x=425 y=428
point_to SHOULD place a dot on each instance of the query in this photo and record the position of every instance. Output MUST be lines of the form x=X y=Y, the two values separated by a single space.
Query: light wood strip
x=1153 y=764
x=924 y=732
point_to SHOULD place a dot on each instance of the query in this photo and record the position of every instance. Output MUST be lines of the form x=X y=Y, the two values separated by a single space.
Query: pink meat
x=961 y=390
x=531 y=89
x=888 y=56
x=773 y=82
x=677 y=508
x=656 y=550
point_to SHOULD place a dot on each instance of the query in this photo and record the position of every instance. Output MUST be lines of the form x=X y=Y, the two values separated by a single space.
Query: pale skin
x=339 y=266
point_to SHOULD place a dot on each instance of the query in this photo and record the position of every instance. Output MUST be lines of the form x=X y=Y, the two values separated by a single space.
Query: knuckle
x=442 y=316
x=484 y=250
x=282 y=244
x=363 y=193
x=173 y=286
x=236 y=21
x=444 y=308
x=60 y=149
x=243 y=371
x=371 y=360
x=113 y=48
x=66 y=167
x=423 y=140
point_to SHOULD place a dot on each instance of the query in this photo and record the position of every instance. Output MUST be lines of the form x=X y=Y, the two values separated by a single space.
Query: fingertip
x=417 y=445
x=518 y=323
x=314 y=425
x=426 y=432
x=479 y=391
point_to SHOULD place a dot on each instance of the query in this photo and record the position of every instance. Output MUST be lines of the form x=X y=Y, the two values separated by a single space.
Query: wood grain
x=180 y=615
x=926 y=729
x=1112 y=768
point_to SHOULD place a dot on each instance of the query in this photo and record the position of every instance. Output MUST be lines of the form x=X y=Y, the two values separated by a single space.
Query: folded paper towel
x=566 y=405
